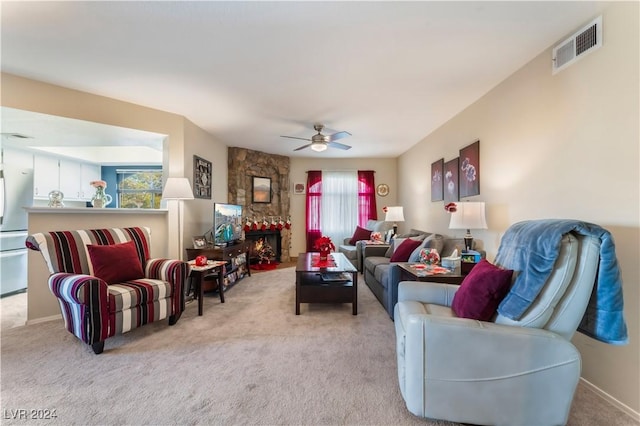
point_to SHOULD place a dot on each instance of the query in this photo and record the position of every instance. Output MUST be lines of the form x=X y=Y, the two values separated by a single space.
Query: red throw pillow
x=481 y=291
x=116 y=263
x=404 y=250
x=359 y=234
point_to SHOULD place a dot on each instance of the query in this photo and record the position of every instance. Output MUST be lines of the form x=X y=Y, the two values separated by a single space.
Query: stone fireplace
x=244 y=164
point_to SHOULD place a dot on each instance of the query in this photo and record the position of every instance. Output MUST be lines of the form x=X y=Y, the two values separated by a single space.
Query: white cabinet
x=46 y=176
x=70 y=177
x=70 y=183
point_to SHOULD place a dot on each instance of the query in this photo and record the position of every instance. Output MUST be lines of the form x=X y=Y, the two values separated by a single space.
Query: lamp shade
x=469 y=215
x=394 y=214
x=177 y=189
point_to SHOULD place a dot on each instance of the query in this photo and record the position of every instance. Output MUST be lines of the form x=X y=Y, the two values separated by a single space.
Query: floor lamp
x=178 y=189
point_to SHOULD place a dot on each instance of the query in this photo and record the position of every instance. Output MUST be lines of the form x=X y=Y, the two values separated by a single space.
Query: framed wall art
x=437 y=186
x=450 y=176
x=299 y=188
x=470 y=170
x=201 y=178
x=382 y=190
x=199 y=242
x=261 y=189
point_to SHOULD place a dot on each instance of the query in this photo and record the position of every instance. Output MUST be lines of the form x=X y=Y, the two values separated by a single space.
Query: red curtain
x=314 y=195
x=366 y=197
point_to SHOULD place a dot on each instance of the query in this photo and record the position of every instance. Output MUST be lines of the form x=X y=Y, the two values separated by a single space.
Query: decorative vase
x=55 y=199
x=100 y=199
x=324 y=254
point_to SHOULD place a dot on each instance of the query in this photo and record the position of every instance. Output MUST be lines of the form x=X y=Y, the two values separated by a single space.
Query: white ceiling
x=247 y=72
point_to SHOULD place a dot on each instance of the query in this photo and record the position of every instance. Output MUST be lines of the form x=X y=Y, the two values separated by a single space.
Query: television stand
x=237 y=265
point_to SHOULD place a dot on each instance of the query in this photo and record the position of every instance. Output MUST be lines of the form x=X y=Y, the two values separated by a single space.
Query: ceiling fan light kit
x=321 y=142
x=318 y=146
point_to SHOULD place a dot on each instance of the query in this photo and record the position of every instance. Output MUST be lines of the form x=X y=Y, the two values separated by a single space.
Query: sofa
x=107 y=284
x=353 y=252
x=382 y=276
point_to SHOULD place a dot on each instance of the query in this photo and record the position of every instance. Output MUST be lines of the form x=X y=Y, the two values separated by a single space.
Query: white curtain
x=339 y=215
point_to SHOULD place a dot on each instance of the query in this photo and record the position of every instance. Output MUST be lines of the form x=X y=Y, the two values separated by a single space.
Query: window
x=139 y=189
x=339 y=213
x=337 y=202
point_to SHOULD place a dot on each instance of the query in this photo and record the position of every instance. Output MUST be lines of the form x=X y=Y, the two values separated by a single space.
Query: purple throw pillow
x=482 y=291
x=116 y=263
x=404 y=250
x=359 y=234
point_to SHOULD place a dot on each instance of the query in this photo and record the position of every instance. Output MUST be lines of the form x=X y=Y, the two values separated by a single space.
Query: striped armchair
x=94 y=309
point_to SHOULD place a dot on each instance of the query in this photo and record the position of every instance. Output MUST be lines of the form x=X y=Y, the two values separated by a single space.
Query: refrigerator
x=16 y=192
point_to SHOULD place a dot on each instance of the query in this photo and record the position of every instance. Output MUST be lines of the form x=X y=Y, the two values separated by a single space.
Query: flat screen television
x=227 y=224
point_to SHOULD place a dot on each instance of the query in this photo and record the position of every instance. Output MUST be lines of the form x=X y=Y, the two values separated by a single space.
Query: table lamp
x=469 y=215
x=178 y=189
x=394 y=214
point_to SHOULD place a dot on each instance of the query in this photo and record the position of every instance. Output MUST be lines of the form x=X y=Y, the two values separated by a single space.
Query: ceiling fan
x=321 y=142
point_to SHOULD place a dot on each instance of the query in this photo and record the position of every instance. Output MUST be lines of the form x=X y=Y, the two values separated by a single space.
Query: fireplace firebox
x=268 y=239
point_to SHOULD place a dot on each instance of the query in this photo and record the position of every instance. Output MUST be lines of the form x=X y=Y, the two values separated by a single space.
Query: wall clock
x=382 y=189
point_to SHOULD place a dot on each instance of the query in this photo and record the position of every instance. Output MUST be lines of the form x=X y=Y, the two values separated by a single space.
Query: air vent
x=586 y=39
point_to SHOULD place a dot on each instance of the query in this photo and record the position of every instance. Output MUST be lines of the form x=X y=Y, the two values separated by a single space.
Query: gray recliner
x=354 y=252
x=503 y=372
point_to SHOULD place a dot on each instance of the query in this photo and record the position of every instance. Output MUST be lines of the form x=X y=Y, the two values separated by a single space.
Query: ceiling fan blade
x=293 y=137
x=302 y=147
x=338 y=145
x=339 y=135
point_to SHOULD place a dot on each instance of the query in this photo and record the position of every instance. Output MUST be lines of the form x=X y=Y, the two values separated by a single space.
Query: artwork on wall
x=450 y=173
x=470 y=170
x=437 y=186
x=201 y=178
x=261 y=189
x=298 y=188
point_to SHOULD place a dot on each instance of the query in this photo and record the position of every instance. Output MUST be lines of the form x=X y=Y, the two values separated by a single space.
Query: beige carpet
x=248 y=361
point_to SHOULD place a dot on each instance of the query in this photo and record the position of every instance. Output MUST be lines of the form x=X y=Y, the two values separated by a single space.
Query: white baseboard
x=44 y=319
x=621 y=406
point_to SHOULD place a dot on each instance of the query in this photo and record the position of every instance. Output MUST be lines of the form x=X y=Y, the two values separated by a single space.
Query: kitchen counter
x=90 y=210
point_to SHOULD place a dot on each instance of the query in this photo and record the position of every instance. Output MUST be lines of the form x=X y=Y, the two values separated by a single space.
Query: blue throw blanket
x=532 y=247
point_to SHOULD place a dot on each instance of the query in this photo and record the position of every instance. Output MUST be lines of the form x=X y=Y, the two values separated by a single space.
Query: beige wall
x=563 y=146
x=199 y=212
x=386 y=172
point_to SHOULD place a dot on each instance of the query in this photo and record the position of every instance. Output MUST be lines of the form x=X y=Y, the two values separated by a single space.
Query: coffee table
x=332 y=281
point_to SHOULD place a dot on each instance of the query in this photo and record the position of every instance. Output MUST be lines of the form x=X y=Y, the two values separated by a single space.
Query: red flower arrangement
x=324 y=244
x=451 y=207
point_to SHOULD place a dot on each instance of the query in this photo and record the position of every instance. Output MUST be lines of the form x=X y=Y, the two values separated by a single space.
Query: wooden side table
x=197 y=274
x=407 y=273
x=229 y=254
